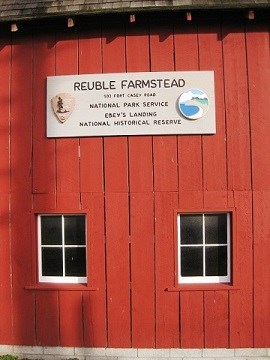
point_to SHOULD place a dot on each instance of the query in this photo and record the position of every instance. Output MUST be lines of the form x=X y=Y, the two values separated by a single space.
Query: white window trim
x=204 y=279
x=58 y=279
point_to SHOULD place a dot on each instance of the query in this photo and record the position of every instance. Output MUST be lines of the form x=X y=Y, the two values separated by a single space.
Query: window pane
x=75 y=261
x=52 y=262
x=216 y=260
x=216 y=229
x=192 y=261
x=75 y=230
x=51 y=230
x=191 y=229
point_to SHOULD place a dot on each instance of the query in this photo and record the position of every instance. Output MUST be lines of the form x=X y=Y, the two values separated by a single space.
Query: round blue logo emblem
x=193 y=104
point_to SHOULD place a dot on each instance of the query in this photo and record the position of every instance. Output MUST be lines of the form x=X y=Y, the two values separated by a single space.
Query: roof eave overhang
x=92 y=11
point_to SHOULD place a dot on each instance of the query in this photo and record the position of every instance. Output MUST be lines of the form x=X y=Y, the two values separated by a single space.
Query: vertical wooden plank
x=21 y=186
x=191 y=199
x=214 y=146
x=189 y=147
x=67 y=150
x=167 y=303
x=261 y=213
x=190 y=184
x=44 y=178
x=140 y=164
x=140 y=147
x=191 y=302
x=70 y=200
x=115 y=148
x=91 y=180
x=117 y=207
x=164 y=147
x=118 y=273
x=94 y=302
x=237 y=112
x=116 y=164
x=165 y=163
x=44 y=170
x=142 y=269
x=68 y=187
x=215 y=199
x=5 y=285
x=70 y=311
x=216 y=319
x=192 y=325
x=141 y=207
x=216 y=303
x=5 y=293
x=258 y=60
x=214 y=174
x=241 y=300
x=137 y=46
x=5 y=60
x=91 y=149
x=47 y=318
x=165 y=182
x=44 y=202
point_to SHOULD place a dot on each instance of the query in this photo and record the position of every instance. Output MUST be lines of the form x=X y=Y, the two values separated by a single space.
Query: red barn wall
x=131 y=186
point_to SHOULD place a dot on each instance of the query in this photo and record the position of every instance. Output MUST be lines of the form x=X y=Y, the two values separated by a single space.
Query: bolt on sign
x=143 y=103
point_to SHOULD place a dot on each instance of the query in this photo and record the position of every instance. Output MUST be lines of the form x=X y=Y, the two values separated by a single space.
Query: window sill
x=202 y=287
x=67 y=287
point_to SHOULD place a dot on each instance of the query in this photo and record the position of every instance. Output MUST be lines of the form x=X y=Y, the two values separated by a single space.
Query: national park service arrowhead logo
x=63 y=105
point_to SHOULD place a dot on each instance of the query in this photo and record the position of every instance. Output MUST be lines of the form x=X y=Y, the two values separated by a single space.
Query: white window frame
x=205 y=279
x=59 y=279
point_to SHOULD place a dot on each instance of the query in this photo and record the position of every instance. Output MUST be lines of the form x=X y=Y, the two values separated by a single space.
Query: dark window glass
x=192 y=261
x=75 y=262
x=191 y=229
x=51 y=230
x=68 y=258
x=216 y=228
x=216 y=260
x=74 y=230
x=52 y=262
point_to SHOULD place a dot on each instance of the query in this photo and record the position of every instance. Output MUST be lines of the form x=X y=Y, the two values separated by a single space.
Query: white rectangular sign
x=131 y=104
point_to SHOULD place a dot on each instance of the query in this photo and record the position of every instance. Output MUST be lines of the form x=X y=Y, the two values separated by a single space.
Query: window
x=204 y=247
x=62 y=248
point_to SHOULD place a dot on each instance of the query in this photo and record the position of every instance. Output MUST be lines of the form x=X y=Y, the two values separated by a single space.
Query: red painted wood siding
x=6 y=329
x=130 y=188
